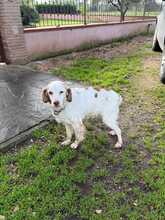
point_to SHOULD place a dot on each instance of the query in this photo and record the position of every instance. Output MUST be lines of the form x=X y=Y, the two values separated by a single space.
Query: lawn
x=57 y=22
x=96 y=182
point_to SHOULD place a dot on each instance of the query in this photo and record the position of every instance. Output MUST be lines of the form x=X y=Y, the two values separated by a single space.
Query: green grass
x=47 y=181
x=102 y=73
x=57 y=22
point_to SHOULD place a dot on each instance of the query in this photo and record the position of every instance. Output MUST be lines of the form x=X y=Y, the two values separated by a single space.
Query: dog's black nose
x=56 y=103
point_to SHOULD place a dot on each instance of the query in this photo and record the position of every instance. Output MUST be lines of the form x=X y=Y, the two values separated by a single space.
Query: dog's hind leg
x=115 y=130
x=69 y=134
x=118 y=133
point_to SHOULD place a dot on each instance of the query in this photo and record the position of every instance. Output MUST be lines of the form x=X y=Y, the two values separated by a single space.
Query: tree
x=29 y=15
x=150 y=5
x=122 y=6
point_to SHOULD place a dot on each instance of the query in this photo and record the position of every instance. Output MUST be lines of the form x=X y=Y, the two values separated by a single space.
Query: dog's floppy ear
x=69 y=95
x=45 y=96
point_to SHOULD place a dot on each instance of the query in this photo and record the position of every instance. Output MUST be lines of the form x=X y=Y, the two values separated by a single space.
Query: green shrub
x=29 y=15
x=57 y=9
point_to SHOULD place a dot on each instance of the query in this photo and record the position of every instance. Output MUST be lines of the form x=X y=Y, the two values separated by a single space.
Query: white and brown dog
x=70 y=106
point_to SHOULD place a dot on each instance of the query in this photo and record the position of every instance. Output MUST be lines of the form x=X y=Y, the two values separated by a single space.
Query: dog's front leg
x=79 y=130
x=69 y=134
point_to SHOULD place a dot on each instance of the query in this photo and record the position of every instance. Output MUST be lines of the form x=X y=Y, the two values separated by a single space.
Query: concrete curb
x=23 y=136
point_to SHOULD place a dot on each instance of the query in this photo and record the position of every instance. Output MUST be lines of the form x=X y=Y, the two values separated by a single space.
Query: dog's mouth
x=57 y=111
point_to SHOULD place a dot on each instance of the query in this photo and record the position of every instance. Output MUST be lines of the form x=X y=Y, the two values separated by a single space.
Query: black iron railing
x=40 y=13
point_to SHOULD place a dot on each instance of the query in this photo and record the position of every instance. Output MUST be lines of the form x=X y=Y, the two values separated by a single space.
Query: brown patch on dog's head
x=45 y=96
x=69 y=95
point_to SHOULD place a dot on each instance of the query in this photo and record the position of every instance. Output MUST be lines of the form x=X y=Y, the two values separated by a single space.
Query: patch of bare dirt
x=51 y=63
x=139 y=106
x=150 y=81
x=118 y=49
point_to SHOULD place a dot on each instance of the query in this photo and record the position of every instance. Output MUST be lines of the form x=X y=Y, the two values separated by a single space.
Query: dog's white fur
x=72 y=106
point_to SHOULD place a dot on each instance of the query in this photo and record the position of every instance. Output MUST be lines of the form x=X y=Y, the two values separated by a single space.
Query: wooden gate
x=2 y=52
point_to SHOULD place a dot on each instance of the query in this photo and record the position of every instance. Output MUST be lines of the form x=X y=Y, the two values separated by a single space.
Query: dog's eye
x=50 y=93
x=61 y=92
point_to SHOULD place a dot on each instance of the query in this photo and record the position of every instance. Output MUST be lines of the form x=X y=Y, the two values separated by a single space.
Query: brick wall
x=12 y=32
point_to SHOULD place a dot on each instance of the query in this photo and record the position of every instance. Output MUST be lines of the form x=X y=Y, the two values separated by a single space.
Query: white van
x=159 y=39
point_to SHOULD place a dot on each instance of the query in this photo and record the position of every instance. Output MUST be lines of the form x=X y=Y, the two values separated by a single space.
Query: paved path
x=21 y=107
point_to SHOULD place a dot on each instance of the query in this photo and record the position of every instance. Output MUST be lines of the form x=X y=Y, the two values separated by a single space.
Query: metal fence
x=43 y=13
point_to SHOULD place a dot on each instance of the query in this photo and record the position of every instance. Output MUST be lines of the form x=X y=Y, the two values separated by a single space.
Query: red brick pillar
x=11 y=31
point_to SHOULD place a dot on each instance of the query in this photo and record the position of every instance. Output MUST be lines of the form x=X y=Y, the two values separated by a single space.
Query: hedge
x=57 y=9
x=29 y=15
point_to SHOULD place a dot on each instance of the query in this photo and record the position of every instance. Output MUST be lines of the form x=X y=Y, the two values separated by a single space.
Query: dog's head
x=57 y=95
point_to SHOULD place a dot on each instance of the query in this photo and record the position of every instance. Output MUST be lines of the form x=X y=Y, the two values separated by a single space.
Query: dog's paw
x=112 y=132
x=74 y=145
x=65 y=143
x=118 y=145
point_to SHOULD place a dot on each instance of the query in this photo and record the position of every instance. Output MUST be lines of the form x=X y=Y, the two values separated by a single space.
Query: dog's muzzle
x=57 y=112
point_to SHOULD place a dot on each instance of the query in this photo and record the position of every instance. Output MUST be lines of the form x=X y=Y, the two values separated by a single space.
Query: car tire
x=156 y=46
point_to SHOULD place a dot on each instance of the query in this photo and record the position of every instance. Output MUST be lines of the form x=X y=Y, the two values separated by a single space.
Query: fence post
x=85 y=12
x=144 y=10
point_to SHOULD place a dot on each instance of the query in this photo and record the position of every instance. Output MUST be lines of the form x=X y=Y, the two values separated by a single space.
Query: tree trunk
x=144 y=11
x=122 y=17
